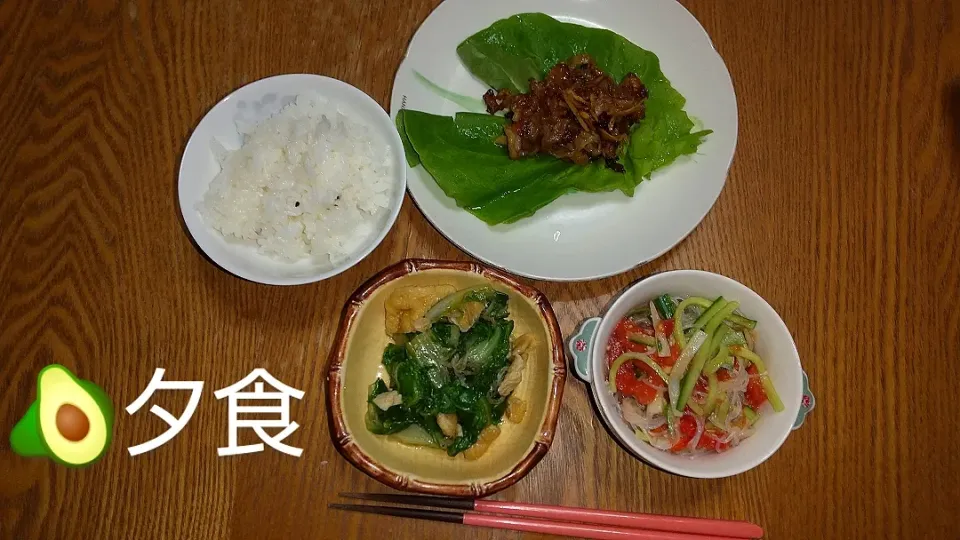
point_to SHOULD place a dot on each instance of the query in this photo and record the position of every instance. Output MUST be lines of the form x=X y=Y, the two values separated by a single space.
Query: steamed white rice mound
x=307 y=182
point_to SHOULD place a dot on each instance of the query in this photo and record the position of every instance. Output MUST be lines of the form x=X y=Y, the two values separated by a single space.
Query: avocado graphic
x=71 y=421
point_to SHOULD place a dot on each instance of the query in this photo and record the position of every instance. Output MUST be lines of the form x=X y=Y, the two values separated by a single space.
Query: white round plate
x=252 y=104
x=584 y=235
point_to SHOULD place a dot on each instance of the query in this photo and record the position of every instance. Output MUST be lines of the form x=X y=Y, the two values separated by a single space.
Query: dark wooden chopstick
x=416 y=513
x=415 y=500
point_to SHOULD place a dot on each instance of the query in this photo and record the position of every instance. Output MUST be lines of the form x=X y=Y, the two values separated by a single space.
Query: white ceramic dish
x=253 y=103
x=580 y=236
x=774 y=343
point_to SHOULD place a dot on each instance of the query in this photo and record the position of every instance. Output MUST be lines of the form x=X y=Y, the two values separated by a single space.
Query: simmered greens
x=444 y=384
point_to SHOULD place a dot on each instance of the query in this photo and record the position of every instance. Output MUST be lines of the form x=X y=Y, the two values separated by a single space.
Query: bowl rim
x=195 y=226
x=352 y=452
x=651 y=455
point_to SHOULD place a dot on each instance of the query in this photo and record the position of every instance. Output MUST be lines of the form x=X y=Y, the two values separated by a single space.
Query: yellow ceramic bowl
x=355 y=359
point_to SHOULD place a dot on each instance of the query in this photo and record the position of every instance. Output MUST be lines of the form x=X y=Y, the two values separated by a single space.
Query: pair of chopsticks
x=557 y=520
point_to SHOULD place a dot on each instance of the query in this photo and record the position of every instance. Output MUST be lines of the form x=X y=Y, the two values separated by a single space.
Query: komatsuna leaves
x=497 y=308
x=411 y=384
x=447 y=334
x=386 y=422
x=430 y=374
x=431 y=355
x=460 y=152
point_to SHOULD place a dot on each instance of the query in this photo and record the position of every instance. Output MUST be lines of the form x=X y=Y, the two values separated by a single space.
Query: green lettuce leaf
x=408 y=152
x=478 y=174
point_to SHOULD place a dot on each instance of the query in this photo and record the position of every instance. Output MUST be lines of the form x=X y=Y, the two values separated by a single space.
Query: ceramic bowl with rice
x=292 y=179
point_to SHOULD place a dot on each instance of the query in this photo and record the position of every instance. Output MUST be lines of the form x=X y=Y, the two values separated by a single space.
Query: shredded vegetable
x=635 y=356
x=695 y=385
x=771 y=392
x=664 y=305
x=643 y=339
x=705 y=317
x=678 y=316
x=663 y=345
x=686 y=355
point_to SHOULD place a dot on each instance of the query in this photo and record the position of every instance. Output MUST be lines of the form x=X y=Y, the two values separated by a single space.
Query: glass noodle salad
x=685 y=374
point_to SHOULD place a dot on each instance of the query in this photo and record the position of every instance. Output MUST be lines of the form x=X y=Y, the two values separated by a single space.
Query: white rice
x=307 y=182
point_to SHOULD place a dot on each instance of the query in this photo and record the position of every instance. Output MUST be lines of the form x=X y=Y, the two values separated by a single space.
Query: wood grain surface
x=841 y=209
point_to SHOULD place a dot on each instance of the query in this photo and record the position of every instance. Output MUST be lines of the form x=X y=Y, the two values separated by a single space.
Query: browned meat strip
x=577 y=113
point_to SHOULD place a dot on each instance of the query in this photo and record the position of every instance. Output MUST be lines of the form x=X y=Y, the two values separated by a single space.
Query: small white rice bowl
x=304 y=184
x=307 y=182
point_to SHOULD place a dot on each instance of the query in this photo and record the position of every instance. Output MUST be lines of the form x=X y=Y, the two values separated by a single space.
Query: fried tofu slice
x=520 y=351
x=516 y=409
x=487 y=436
x=523 y=344
x=448 y=424
x=388 y=399
x=407 y=304
x=514 y=374
x=470 y=313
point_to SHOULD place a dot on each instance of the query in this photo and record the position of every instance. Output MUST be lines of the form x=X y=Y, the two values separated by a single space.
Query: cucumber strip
x=664 y=305
x=708 y=314
x=697 y=342
x=678 y=317
x=750 y=415
x=741 y=321
x=722 y=357
x=692 y=374
x=695 y=408
x=716 y=340
x=712 y=393
x=718 y=416
x=716 y=337
x=636 y=356
x=642 y=339
x=734 y=337
x=717 y=319
x=765 y=379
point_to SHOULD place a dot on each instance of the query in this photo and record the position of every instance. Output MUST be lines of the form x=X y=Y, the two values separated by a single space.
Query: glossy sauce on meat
x=577 y=113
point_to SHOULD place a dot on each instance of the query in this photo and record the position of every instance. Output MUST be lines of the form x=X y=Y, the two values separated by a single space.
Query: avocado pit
x=72 y=423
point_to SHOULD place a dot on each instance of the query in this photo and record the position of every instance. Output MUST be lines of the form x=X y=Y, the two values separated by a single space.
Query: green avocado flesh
x=71 y=420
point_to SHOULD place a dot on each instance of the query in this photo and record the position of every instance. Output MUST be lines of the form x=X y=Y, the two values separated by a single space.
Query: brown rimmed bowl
x=355 y=359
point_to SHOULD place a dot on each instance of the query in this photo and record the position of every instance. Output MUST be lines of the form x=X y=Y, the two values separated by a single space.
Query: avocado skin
x=25 y=438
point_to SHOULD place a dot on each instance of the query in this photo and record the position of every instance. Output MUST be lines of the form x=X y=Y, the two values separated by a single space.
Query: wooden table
x=840 y=209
